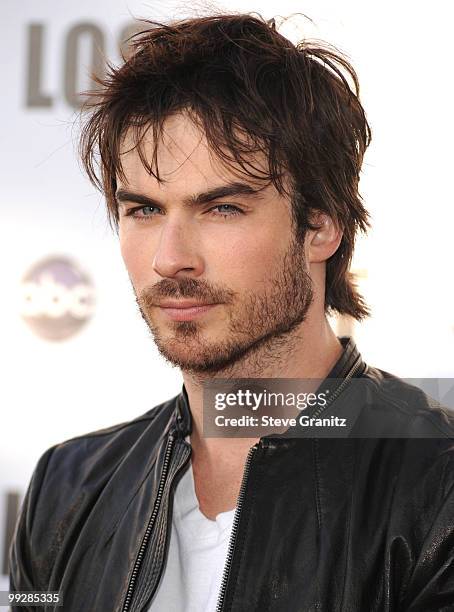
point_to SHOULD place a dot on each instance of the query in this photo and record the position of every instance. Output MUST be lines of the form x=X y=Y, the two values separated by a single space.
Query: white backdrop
x=109 y=371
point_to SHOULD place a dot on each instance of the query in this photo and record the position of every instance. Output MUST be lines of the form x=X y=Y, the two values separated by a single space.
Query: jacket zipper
x=236 y=520
x=352 y=371
x=143 y=545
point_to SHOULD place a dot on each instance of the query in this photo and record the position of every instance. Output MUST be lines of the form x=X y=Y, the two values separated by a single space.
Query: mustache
x=185 y=288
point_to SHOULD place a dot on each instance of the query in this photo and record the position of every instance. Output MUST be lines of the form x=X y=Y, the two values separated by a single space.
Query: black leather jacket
x=354 y=524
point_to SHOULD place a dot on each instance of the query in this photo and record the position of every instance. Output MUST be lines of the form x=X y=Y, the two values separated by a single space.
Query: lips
x=183 y=304
x=180 y=310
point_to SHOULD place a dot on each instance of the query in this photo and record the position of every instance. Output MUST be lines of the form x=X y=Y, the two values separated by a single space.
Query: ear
x=324 y=242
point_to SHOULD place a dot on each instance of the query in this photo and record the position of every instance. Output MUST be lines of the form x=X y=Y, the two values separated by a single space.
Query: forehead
x=184 y=159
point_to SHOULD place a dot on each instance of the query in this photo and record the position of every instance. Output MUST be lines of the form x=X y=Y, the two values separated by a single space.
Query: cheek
x=248 y=260
x=136 y=257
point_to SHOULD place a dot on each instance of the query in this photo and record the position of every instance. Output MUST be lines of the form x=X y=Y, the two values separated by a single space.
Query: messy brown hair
x=251 y=91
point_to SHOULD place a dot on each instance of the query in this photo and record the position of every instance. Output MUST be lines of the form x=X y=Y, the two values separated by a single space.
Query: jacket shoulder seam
x=116 y=428
x=402 y=404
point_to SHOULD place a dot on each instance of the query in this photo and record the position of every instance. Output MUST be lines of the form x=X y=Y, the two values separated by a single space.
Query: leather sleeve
x=24 y=575
x=431 y=585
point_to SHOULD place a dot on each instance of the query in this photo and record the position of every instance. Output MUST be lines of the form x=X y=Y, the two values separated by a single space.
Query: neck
x=309 y=352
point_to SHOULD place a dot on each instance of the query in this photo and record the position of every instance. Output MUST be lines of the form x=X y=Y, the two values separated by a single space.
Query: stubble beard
x=259 y=331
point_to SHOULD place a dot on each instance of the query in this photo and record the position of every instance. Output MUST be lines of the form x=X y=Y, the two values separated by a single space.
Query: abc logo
x=56 y=299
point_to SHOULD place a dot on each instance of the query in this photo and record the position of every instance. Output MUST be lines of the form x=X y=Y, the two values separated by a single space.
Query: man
x=230 y=162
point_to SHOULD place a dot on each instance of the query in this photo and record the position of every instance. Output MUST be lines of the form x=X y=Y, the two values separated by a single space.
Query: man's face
x=209 y=237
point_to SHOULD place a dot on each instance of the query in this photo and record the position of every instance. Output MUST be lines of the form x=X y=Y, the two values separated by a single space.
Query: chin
x=191 y=357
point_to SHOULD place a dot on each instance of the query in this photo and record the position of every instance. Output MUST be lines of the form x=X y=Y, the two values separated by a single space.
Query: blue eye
x=147 y=211
x=230 y=212
x=144 y=210
x=147 y=208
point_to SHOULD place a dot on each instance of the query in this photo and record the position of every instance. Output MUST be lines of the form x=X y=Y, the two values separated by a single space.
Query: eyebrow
x=230 y=189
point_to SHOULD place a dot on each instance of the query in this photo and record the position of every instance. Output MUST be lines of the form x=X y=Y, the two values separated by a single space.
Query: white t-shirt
x=197 y=553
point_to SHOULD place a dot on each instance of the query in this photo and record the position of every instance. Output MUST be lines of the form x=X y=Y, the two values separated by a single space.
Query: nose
x=177 y=252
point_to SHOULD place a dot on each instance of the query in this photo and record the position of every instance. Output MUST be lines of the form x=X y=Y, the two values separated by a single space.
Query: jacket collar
x=350 y=359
